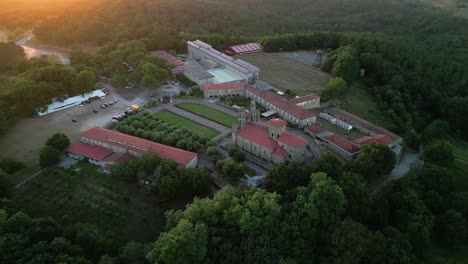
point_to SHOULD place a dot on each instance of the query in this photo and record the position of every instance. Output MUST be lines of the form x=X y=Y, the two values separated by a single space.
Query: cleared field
x=87 y=196
x=359 y=102
x=209 y=113
x=286 y=73
x=182 y=122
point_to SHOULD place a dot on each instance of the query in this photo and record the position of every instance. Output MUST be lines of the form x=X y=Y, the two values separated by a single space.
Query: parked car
x=87 y=101
x=94 y=111
x=103 y=106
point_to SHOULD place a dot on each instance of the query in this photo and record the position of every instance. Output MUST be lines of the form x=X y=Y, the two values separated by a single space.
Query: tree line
x=413 y=84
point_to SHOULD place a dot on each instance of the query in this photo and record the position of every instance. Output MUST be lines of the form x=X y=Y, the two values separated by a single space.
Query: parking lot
x=26 y=138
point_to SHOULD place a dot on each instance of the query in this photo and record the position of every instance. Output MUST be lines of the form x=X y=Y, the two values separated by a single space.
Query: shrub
x=58 y=141
x=10 y=165
x=49 y=156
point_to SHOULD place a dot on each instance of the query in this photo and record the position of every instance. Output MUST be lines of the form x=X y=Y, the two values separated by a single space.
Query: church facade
x=267 y=140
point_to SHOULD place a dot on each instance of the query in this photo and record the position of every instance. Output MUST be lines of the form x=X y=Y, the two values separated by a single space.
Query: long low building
x=287 y=109
x=200 y=50
x=178 y=65
x=104 y=147
x=292 y=110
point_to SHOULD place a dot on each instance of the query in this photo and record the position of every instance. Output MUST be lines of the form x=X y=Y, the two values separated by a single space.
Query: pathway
x=37 y=173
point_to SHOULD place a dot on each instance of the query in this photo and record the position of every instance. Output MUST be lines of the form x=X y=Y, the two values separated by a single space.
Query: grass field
x=123 y=210
x=209 y=113
x=358 y=101
x=460 y=166
x=285 y=73
x=182 y=122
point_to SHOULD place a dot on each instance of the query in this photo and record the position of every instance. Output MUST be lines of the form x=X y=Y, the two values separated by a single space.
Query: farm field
x=285 y=73
x=209 y=113
x=182 y=122
x=88 y=196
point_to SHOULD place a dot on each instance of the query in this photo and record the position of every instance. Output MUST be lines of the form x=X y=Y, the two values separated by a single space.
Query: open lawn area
x=460 y=166
x=179 y=121
x=359 y=102
x=209 y=113
x=285 y=73
x=124 y=210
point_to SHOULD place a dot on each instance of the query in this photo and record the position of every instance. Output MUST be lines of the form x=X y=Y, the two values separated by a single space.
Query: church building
x=267 y=140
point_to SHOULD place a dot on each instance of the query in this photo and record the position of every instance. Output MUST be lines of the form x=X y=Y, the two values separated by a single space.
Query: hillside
x=109 y=20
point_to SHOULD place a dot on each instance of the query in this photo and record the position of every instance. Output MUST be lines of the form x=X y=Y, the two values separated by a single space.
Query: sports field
x=284 y=73
x=209 y=113
x=179 y=121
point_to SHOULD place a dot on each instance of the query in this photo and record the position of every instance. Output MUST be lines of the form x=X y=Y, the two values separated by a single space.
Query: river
x=40 y=51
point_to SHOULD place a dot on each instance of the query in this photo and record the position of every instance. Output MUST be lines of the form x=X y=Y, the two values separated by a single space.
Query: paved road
x=399 y=171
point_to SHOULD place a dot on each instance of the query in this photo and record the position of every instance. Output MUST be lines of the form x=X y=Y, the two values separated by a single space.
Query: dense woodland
x=415 y=67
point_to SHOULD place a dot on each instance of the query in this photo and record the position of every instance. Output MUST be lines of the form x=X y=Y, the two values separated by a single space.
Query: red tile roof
x=305 y=98
x=245 y=48
x=120 y=157
x=89 y=151
x=280 y=152
x=314 y=129
x=278 y=122
x=139 y=145
x=258 y=135
x=377 y=139
x=292 y=140
x=342 y=143
x=224 y=86
x=170 y=59
x=283 y=104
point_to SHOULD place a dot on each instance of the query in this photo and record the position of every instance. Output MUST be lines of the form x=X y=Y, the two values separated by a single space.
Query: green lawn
x=209 y=113
x=460 y=166
x=179 y=121
x=124 y=210
x=359 y=102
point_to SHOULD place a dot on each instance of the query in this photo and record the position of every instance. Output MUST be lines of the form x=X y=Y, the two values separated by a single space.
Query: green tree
x=186 y=243
x=233 y=170
x=132 y=252
x=59 y=141
x=346 y=64
x=352 y=242
x=451 y=229
x=118 y=80
x=440 y=152
x=49 y=156
x=373 y=161
x=335 y=88
x=357 y=196
x=10 y=165
x=412 y=139
x=6 y=117
x=85 y=81
x=329 y=164
x=11 y=55
x=287 y=177
x=4 y=185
